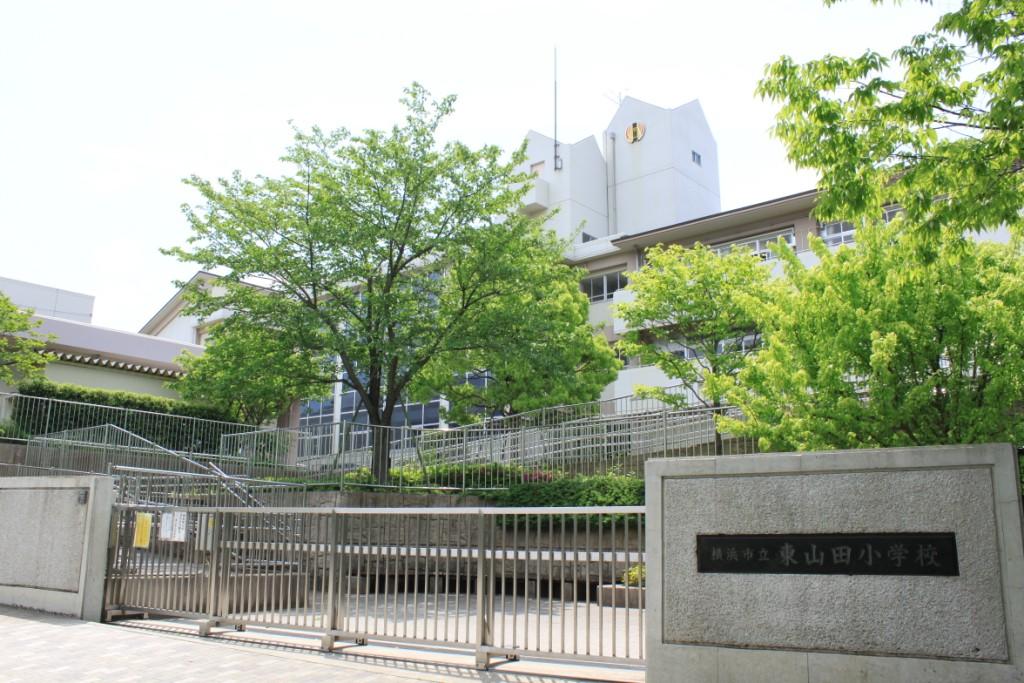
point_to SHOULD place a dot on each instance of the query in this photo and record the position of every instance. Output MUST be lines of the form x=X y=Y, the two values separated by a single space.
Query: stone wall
x=12 y=452
x=837 y=626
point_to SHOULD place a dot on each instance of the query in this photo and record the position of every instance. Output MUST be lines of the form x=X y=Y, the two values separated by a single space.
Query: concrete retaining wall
x=53 y=543
x=12 y=453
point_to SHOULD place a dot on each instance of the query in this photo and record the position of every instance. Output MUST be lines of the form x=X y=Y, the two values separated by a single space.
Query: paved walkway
x=41 y=647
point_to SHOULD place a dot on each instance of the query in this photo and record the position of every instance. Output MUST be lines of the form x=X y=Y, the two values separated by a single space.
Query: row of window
x=837 y=233
x=834 y=234
x=761 y=244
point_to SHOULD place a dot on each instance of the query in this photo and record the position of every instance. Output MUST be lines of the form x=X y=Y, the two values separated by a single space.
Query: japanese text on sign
x=922 y=554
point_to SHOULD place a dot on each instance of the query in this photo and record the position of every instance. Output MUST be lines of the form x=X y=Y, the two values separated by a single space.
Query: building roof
x=84 y=343
x=777 y=207
x=46 y=300
x=173 y=305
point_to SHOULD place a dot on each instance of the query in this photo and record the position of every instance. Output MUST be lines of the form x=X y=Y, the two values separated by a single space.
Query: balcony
x=621 y=296
x=536 y=199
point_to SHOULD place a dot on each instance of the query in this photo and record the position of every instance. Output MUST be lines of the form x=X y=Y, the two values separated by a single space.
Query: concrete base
x=620 y=595
x=723 y=626
x=53 y=543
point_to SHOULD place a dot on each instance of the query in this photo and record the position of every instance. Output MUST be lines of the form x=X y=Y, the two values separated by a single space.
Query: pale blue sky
x=105 y=106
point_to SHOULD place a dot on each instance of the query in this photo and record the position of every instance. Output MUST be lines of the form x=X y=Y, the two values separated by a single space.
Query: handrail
x=462 y=511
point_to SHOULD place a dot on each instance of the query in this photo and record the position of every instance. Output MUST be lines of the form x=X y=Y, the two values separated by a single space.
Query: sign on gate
x=143 y=529
x=174 y=526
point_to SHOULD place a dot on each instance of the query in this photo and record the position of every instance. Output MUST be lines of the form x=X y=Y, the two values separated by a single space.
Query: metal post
x=664 y=426
x=214 y=574
x=484 y=618
x=330 y=609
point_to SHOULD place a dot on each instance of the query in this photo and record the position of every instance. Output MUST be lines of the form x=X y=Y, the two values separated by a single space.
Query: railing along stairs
x=110 y=449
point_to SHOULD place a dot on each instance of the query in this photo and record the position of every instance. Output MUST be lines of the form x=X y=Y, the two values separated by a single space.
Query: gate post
x=484 y=587
x=330 y=609
x=212 y=532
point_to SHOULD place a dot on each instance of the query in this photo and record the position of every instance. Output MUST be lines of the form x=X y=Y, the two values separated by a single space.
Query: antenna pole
x=558 y=159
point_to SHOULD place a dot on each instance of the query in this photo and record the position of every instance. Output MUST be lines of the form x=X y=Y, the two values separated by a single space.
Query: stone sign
x=870 y=565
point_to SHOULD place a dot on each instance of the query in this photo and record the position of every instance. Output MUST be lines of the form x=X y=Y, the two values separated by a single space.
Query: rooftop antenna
x=558 y=159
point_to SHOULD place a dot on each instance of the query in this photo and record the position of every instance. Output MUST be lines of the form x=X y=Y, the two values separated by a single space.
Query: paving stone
x=39 y=648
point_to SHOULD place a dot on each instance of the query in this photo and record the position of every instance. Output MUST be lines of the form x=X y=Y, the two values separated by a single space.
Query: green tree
x=875 y=346
x=556 y=358
x=938 y=128
x=250 y=371
x=386 y=251
x=691 y=317
x=21 y=347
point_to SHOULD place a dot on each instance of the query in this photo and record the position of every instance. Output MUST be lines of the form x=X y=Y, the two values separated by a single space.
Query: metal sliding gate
x=554 y=582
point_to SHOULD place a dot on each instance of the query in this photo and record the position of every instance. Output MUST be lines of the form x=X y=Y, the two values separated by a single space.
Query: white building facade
x=89 y=355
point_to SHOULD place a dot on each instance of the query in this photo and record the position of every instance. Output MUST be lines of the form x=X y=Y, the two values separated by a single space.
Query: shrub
x=9 y=429
x=174 y=434
x=635 y=575
x=598 y=490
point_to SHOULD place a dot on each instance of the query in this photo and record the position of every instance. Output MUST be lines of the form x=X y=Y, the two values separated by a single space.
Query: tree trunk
x=381 y=464
x=380 y=436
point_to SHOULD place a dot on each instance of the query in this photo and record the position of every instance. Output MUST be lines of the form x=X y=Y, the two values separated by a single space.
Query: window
x=890 y=212
x=537 y=168
x=602 y=287
x=836 y=233
x=761 y=244
x=585 y=237
x=695 y=156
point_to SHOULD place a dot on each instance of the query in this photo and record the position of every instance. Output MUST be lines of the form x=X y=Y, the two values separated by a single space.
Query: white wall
x=57 y=303
x=657 y=182
x=180 y=328
x=649 y=375
x=577 y=192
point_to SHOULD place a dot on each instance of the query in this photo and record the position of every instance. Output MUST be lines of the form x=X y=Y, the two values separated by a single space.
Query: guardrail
x=22 y=470
x=497 y=581
x=163 y=488
x=565 y=441
x=97 y=449
x=23 y=417
x=493 y=454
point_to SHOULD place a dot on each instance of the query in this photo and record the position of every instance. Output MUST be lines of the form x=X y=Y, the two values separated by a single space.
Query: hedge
x=592 y=491
x=184 y=434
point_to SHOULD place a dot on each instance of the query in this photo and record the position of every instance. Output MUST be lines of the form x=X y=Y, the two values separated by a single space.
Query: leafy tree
x=940 y=119
x=386 y=251
x=875 y=346
x=555 y=359
x=691 y=316
x=249 y=371
x=21 y=347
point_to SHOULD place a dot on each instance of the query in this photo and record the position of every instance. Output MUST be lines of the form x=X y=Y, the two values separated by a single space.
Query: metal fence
x=23 y=417
x=497 y=581
x=22 y=470
x=615 y=436
x=161 y=488
x=496 y=454
x=98 y=449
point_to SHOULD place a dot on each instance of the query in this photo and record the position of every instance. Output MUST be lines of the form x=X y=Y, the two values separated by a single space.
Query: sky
x=106 y=106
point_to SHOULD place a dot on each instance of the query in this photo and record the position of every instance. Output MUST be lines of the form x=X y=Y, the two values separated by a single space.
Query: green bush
x=598 y=490
x=435 y=478
x=635 y=575
x=29 y=418
x=10 y=430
